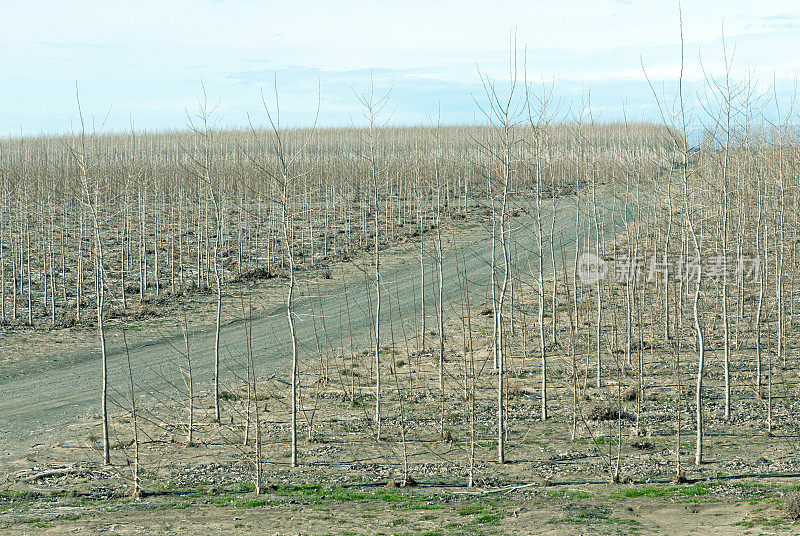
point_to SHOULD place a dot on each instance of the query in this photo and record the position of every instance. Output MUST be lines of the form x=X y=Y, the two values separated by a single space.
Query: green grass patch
x=699 y=489
x=696 y=490
x=254 y=503
x=601 y=516
x=488 y=519
x=761 y=522
x=30 y=521
x=642 y=491
x=422 y=506
x=17 y=496
x=471 y=509
x=319 y=494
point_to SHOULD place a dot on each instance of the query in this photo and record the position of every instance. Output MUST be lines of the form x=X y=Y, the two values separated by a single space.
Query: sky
x=143 y=64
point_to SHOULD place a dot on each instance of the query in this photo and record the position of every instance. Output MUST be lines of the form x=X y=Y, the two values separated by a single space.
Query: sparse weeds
x=599 y=515
x=693 y=491
x=791 y=505
x=761 y=522
x=570 y=494
x=29 y=521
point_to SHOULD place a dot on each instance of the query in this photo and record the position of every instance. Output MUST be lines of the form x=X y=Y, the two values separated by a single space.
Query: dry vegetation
x=662 y=383
x=158 y=221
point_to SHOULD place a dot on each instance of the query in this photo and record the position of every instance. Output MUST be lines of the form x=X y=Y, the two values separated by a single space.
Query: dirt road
x=36 y=407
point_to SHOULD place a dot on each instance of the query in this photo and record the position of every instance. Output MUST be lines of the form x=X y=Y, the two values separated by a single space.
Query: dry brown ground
x=341 y=486
x=551 y=484
x=24 y=349
x=560 y=510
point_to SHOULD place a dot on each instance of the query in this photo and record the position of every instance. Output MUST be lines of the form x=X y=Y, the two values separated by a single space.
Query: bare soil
x=556 y=479
x=350 y=483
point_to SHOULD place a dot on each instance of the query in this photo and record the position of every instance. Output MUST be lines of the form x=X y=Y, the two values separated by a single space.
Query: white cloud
x=153 y=53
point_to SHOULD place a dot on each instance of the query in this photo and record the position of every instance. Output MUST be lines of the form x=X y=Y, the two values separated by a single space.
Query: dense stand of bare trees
x=159 y=221
x=700 y=241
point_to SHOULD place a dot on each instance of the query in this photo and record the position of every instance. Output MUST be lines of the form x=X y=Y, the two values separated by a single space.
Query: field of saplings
x=541 y=307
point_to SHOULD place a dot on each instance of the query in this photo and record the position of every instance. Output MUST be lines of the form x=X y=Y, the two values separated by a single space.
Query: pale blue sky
x=144 y=59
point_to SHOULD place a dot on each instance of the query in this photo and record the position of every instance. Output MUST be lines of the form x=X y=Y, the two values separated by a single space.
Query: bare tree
x=503 y=112
x=285 y=177
x=91 y=188
x=203 y=168
x=373 y=106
